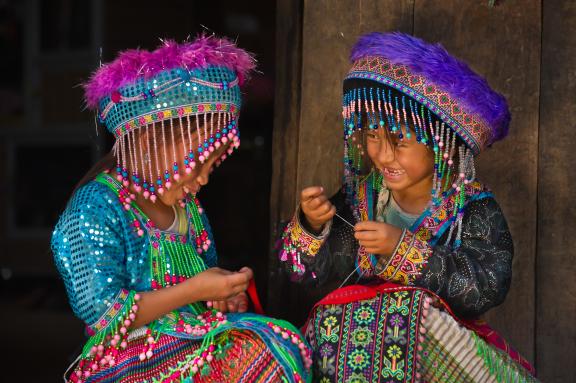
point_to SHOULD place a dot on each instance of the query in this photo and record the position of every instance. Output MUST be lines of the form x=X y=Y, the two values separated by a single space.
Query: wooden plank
x=555 y=298
x=330 y=29
x=503 y=44
x=284 y=139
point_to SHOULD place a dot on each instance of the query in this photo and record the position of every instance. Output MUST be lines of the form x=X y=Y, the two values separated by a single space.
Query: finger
x=367 y=225
x=247 y=272
x=367 y=235
x=218 y=306
x=316 y=202
x=324 y=208
x=311 y=192
x=232 y=306
x=328 y=215
x=243 y=305
x=238 y=289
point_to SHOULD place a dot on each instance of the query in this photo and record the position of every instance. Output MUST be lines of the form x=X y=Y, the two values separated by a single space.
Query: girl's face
x=188 y=182
x=407 y=166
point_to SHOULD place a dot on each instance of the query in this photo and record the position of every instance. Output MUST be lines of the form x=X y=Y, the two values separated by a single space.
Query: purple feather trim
x=434 y=63
x=131 y=64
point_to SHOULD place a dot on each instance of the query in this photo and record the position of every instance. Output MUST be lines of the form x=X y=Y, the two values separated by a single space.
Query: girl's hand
x=377 y=237
x=216 y=284
x=316 y=207
x=238 y=303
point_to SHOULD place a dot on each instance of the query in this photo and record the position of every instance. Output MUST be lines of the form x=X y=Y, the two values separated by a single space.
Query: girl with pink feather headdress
x=134 y=246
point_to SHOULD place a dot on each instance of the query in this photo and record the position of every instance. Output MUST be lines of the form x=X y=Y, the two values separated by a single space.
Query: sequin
x=98 y=254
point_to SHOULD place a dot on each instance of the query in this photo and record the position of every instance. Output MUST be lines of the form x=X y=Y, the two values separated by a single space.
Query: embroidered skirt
x=392 y=334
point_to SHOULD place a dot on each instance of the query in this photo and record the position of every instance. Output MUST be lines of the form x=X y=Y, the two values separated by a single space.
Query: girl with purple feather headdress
x=134 y=246
x=421 y=246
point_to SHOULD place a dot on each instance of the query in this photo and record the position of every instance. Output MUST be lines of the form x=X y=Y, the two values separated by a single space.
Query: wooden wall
x=527 y=50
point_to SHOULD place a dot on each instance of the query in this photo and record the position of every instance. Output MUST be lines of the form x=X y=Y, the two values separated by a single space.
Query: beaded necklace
x=173 y=257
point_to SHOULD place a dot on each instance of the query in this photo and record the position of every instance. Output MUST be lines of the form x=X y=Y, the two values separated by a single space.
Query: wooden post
x=556 y=255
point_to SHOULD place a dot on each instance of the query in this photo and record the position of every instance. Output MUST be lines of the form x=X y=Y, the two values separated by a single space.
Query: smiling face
x=172 y=146
x=407 y=166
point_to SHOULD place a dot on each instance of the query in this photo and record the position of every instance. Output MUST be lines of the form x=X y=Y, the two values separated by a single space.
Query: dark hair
x=105 y=163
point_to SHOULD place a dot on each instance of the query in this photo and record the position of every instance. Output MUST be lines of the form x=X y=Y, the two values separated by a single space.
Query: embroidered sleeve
x=475 y=276
x=407 y=261
x=298 y=244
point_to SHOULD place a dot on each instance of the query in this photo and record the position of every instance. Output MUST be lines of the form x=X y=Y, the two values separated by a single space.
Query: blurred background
x=48 y=141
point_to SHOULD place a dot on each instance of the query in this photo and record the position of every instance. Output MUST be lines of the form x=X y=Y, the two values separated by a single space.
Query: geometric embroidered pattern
x=472 y=128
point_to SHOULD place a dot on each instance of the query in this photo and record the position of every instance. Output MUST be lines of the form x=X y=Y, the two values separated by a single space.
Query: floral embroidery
x=362 y=336
x=364 y=315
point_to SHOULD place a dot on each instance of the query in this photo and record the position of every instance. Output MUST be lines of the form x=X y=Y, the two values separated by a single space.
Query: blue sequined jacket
x=99 y=254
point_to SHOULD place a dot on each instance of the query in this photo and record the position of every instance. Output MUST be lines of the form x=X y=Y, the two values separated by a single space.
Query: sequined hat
x=196 y=84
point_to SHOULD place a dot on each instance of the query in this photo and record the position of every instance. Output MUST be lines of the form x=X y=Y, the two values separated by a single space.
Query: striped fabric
x=248 y=359
x=450 y=352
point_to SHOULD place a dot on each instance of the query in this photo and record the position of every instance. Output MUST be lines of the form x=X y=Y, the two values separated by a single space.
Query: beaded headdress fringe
x=374 y=106
x=152 y=169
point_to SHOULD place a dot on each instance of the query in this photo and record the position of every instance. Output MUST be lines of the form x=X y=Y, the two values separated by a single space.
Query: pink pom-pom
x=176 y=176
x=217 y=144
x=142 y=356
x=201 y=158
x=146 y=194
x=140 y=232
x=153 y=198
x=149 y=354
x=160 y=190
x=136 y=298
x=224 y=140
x=168 y=184
x=192 y=164
x=188 y=170
x=123 y=330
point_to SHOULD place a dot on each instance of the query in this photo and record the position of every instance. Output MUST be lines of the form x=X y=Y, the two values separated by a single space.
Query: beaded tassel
x=398 y=113
x=108 y=337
